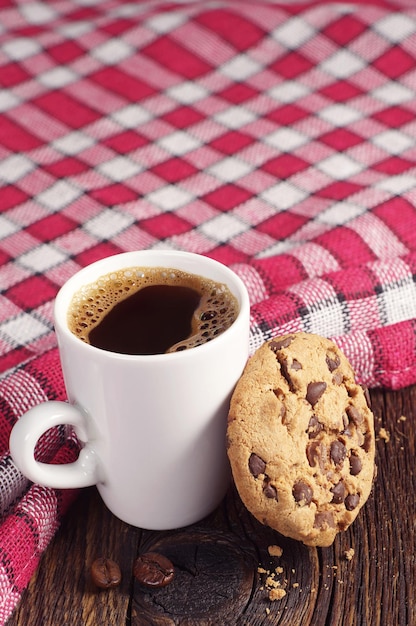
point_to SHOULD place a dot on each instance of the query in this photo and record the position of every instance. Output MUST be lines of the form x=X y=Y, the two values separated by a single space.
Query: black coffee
x=151 y=311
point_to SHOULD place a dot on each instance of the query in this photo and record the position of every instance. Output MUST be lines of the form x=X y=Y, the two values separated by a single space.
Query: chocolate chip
x=314 y=392
x=296 y=365
x=269 y=490
x=278 y=344
x=153 y=570
x=333 y=361
x=105 y=573
x=314 y=427
x=354 y=415
x=338 y=493
x=355 y=464
x=302 y=492
x=256 y=465
x=337 y=378
x=324 y=519
x=338 y=452
x=352 y=501
x=367 y=442
x=346 y=425
x=314 y=453
x=285 y=373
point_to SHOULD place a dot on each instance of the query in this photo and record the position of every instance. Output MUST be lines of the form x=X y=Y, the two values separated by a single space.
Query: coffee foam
x=217 y=310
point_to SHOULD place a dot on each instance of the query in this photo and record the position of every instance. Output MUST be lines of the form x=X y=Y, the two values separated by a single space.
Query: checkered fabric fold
x=276 y=137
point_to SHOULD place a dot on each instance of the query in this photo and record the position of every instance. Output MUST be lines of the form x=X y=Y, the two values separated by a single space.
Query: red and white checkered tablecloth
x=276 y=137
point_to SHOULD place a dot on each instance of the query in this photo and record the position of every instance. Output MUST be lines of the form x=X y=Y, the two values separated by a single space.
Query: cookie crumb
x=271 y=582
x=402 y=418
x=267 y=610
x=279 y=570
x=275 y=550
x=348 y=554
x=276 y=594
x=384 y=434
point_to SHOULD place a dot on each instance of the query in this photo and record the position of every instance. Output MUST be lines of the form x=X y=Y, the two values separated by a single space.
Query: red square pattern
x=393 y=166
x=51 y=227
x=174 y=170
x=341 y=139
x=341 y=91
x=113 y=194
x=287 y=114
x=164 y=226
x=346 y=246
x=339 y=190
x=66 y=167
x=176 y=58
x=350 y=284
x=125 y=85
x=394 y=116
x=101 y=250
x=66 y=52
x=395 y=62
x=12 y=74
x=16 y=138
x=285 y=165
x=125 y=142
x=278 y=276
x=183 y=117
x=226 y=197
x=11 y=196
x=232 y=142
x=32 y=292
x=67 y=109
x=282 y=225
x=227 y=254
x=292 y=65
x=405 y=227
x=233 y=28
x=344 y=30
x=238 y=93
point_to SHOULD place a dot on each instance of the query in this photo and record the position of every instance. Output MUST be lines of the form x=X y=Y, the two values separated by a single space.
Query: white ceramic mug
x=152 y=427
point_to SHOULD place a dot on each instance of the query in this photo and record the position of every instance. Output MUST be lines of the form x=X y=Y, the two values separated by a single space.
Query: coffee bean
x=338 y=452
x=105 y=573
x=153 y=570
x=302 y=492
x=315 y=391
x=351 y=501
x=256 y=465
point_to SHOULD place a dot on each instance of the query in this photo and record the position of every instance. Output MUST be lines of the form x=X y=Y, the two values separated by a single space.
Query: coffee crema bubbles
x=151 y=310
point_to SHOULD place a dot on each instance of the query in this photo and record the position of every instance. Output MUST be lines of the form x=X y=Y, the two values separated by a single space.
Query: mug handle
x=31 y=426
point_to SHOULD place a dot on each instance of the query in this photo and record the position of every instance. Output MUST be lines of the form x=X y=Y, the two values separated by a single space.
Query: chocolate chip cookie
x=301 y=439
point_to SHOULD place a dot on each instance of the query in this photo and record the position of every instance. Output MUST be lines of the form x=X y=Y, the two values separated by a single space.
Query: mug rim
x=122 y=260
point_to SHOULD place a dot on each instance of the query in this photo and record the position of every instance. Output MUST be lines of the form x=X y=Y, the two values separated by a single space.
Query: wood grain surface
x=222 y=563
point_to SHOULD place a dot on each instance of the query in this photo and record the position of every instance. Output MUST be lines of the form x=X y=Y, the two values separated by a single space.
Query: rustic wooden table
x=221 y=562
